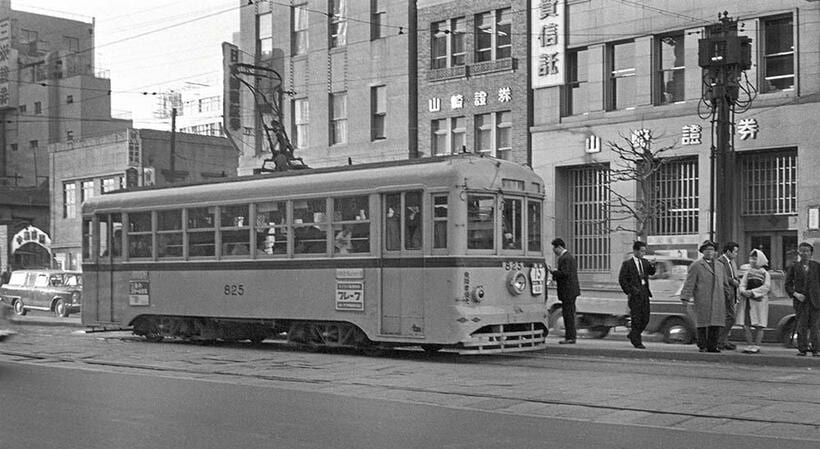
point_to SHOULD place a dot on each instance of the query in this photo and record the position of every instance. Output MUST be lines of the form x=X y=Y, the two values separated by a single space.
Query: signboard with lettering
x=138 y=292
x=232 y=111
x=548 y=43
x=6 y=57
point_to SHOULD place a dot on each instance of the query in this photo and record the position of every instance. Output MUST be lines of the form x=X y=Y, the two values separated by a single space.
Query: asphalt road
x=62 y=407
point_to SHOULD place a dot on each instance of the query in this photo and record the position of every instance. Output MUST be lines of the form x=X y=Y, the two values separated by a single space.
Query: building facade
x=630 y=71
x=473 y=88
x=347 y=71
x=135 y=157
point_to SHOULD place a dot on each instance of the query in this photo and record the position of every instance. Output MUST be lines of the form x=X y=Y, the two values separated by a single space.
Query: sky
x=150 y=45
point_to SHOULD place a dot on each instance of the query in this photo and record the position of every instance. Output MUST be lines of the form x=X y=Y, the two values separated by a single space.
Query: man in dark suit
x=634 y=281
x=566 y=280
x=803 y=285
x=727 y=261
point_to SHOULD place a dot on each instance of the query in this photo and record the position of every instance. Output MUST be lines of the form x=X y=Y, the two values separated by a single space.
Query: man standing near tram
x=566 y=280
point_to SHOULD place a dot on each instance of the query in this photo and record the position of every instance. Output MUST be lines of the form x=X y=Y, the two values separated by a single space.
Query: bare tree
x=638 y=162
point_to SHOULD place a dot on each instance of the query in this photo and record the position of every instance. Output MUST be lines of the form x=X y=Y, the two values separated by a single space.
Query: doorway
x=780 y=247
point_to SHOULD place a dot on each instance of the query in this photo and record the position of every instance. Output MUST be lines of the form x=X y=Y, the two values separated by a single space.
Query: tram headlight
x=478 y=294
x=517 y=282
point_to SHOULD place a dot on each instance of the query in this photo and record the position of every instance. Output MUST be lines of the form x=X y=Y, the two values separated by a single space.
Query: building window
x=28 y=36
x=14 y=147
x=87 y=190
x=589 y=217
x=448 y=135
x=69 y=99
x=69 y=200
x=22 y=109
x=675 y=190
x=448 y=43
x=301 y=122
x=378 y=13
x=620 y=59
x=338 y=23
x=69 y=135
x=769 y=183
x=299 y=38
x=576 y=99
x=38 y=107
x=493 y=35
x=34 y=145
x=778 y=54
x=72 y=44
x=111 y=184
x=264 y=35
x=492 y=133
x=338 y=118
x=670 y=75
x=378 y=107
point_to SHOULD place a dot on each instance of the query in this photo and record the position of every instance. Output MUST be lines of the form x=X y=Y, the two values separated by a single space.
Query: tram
x=444 y=252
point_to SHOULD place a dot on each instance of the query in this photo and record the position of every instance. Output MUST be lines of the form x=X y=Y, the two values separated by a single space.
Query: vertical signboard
x=5 y=60
x=232 y=112
x=548 y=43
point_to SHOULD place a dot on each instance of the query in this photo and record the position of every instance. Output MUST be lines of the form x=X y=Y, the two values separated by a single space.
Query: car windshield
x=73 y=280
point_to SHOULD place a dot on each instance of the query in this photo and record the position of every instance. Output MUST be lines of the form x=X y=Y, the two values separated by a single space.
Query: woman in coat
x=753 y=308
x=704 y=291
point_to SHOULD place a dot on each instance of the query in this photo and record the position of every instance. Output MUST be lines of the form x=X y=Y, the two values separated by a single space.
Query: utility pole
x=724 y=56
x=173 y=177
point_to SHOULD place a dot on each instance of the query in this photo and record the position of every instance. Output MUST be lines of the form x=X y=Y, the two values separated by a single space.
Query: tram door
x=402 y=306
x=110 y=247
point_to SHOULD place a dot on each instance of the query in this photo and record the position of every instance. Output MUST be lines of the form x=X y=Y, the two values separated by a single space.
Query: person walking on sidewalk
x=727 y=261
x=753 y=309
x=803 y=285
x=704 y=291
x=634 y=281
x=566 y=280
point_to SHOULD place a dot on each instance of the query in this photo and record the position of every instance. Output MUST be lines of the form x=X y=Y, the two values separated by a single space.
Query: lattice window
x=589 y=217
x=769 y=183
x=675 y=188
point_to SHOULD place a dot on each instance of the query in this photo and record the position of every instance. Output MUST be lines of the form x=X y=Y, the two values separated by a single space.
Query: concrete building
x=348 y=74
x=627 y=67
x=473 y=88
x=131 y=158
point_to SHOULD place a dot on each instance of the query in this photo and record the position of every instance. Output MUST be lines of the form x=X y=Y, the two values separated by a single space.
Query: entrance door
x=779 y=246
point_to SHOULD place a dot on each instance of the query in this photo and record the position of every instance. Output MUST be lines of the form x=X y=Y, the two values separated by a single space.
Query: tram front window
x=511 y=223
x=480 y=220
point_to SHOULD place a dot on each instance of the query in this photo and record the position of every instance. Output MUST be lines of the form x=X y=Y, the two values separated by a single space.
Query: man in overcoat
x=634 y=281
x=803 y=285
x=705 y=290
x=566 y=280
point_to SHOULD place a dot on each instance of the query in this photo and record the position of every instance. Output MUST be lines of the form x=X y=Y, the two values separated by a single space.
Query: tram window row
x=337 y=226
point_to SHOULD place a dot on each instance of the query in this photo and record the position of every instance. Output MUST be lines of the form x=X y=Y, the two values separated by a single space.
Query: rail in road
x=684 y=394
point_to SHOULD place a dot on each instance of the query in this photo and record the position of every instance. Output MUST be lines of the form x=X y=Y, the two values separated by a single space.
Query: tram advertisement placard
x=138 y=293
x=350 y=295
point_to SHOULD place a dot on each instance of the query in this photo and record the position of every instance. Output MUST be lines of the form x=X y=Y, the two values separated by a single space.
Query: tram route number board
x=138 y=293
x=350 y=295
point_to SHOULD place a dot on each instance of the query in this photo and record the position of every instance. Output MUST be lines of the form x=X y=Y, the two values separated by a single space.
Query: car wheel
x=19 y=308
x=60 y=309
x=675 y=330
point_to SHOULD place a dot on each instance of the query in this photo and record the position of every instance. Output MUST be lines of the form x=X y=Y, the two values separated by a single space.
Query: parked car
x=48 y=290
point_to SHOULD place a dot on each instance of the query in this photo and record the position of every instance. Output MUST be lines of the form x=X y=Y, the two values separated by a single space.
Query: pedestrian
x=634 y=281
x=704 y=291
x=803 y=285
x=753 y=309
x=566 y=280
x=727 y=261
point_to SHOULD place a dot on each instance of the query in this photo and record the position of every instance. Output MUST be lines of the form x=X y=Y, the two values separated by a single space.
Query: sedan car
x=56 y=291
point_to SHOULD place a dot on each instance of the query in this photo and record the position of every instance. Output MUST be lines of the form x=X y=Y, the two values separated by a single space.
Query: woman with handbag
x=753 y=308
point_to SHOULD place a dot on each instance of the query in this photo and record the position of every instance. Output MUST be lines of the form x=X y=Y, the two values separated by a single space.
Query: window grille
x=675 y=189
x=589 y=217
x=769 y=183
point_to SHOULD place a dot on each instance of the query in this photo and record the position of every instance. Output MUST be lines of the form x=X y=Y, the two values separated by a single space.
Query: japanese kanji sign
x=548 y=43
x=5 y=59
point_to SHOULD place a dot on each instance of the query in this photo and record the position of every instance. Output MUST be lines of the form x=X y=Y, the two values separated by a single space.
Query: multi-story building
x=473 y=89
x=135 y=157
x=347 y=70
x=48 y=93
x=629 y=66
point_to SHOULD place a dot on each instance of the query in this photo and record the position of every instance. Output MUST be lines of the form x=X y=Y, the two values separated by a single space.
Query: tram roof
x=464 y=170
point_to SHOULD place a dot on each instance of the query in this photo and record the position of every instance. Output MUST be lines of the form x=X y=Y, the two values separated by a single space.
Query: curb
x=45 y=321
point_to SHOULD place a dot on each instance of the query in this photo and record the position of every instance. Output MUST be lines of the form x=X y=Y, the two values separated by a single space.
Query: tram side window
x=201 y=232
x=480 y=222
x=110 y=225
x=412 y=221
x=169 y=233
x=440 y=209
x=102 y=231
x=351 y=225
x=116 y=235
x=140 y=239
x=511 y=231
x=534 y=226
x=88 y=239
x=234 y=229
x=310 y=226
x=392 y=222
x=272 y=228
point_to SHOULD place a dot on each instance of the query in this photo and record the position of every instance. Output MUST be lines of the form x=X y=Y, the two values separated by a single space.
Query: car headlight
x=516 y=282
x=75 y=298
